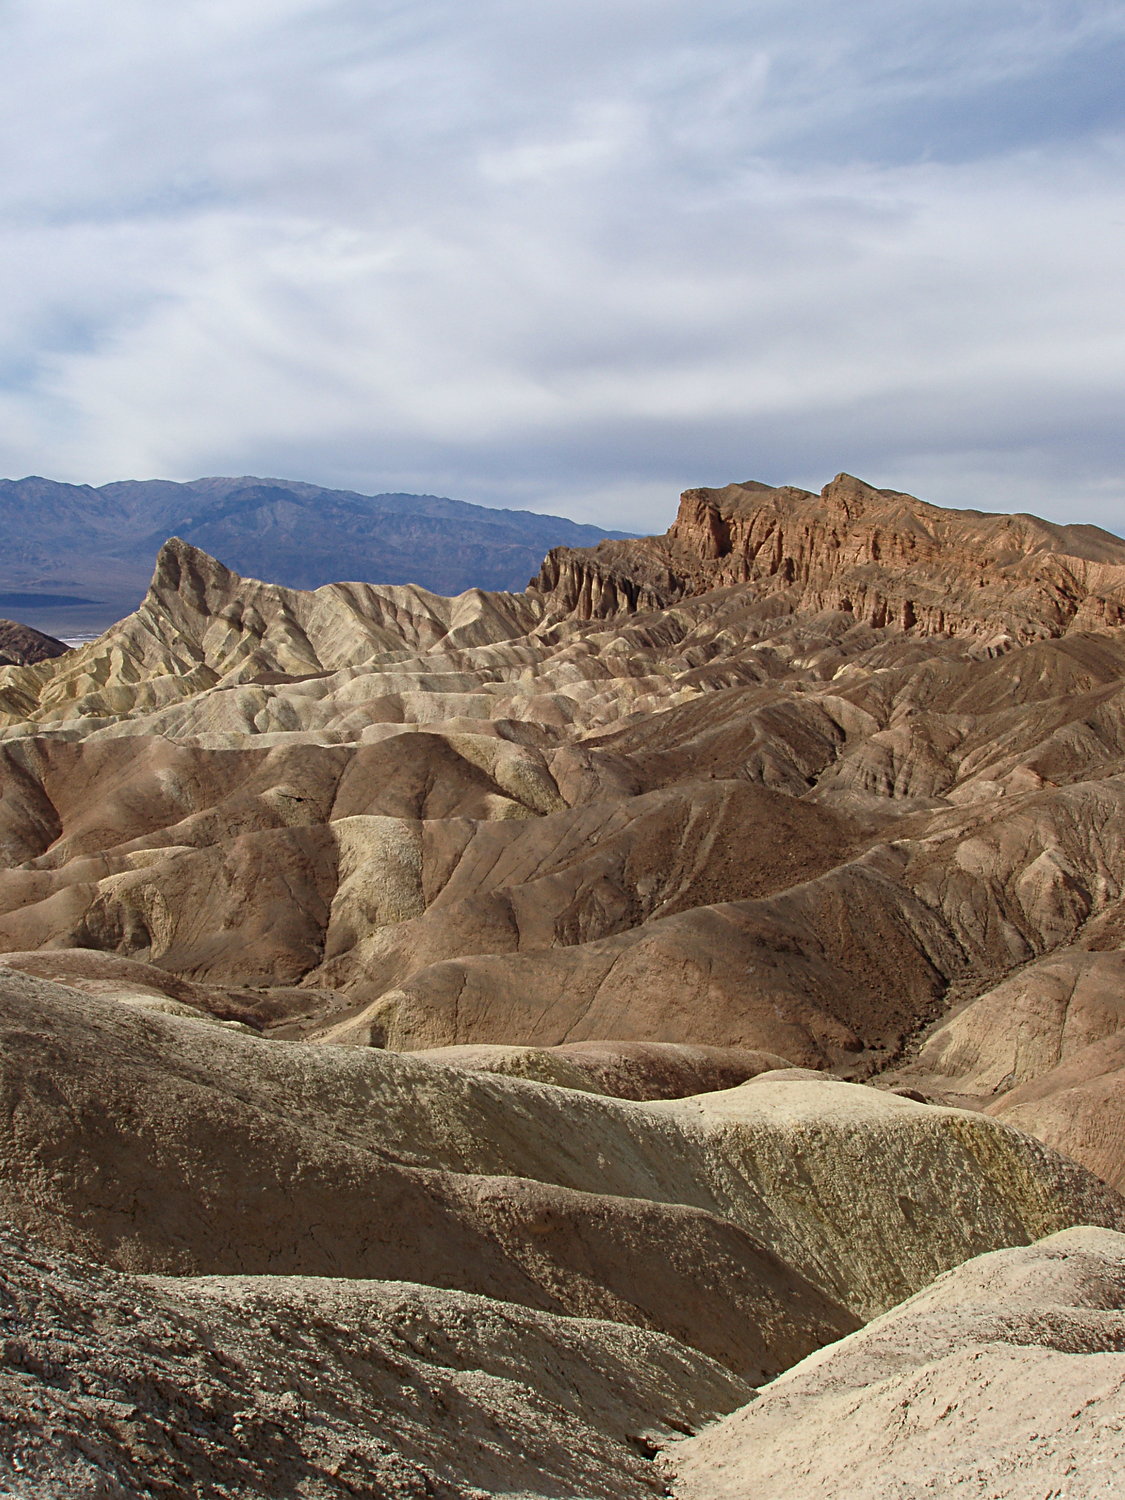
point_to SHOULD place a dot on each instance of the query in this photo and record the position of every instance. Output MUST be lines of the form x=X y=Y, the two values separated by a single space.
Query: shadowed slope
x=20 y=646
x=282 y=1385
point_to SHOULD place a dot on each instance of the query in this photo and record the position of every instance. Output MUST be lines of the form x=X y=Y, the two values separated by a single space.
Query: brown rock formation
x=883 y=557
x=192 y=1149
x=20 y=646
x=1077 y=1105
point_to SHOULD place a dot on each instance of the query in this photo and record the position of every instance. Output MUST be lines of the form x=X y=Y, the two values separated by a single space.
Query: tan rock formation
x=1077 y=1107
x=1004 y=1378
x=1039 y=1017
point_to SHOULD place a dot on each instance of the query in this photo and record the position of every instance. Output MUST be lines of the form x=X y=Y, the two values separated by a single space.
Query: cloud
x=568 y=256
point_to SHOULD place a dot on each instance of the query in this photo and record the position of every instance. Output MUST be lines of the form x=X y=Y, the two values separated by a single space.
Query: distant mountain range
x=77 y=557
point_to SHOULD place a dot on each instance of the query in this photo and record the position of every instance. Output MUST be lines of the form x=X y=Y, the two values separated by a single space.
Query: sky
x=568 y=255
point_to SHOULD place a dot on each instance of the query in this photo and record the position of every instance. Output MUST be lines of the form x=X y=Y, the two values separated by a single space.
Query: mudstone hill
x=661 y=1032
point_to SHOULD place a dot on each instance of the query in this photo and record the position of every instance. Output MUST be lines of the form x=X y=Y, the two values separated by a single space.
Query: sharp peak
x=846 y=481
x=178 y=563
x=175 y=546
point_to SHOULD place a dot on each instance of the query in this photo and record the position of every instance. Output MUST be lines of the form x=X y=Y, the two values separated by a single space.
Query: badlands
x=662 y=1032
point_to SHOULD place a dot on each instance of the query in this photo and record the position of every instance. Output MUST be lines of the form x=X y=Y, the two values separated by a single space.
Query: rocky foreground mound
x=545 y=948
x=1004 y=1378
x=271 y=1386
x=589 y=1277
x=731 y=1219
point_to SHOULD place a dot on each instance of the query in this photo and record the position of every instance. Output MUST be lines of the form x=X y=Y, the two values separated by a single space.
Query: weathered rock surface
x=729 y=1220
x=193 y=1150
x=1004 y=1378
x=1038 y=1018
x=267 y=1386
x=20 y=645
x=1044 y=1049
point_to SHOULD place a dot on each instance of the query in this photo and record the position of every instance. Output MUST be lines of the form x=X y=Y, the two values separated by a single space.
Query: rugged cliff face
x=887 y=559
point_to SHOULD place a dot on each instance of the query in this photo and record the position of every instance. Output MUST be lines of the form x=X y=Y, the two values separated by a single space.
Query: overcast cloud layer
x=568 y=255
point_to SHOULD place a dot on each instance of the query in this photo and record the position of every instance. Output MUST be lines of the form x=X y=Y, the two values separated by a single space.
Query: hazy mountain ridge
x=101 y=543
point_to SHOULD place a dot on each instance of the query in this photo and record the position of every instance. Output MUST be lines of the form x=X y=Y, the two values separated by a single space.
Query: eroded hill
x=743 y=786
x=517 y=944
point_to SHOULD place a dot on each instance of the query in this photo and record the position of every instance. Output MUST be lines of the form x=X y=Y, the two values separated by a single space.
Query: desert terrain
x=640 y=1035
x=77 y=557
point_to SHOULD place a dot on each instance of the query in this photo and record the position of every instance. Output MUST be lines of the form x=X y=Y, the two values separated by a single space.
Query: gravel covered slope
x=114 y=1387
x=1005 y=1378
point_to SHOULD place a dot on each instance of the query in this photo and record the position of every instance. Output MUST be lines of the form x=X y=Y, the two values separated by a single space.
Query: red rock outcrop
x=885 y=558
